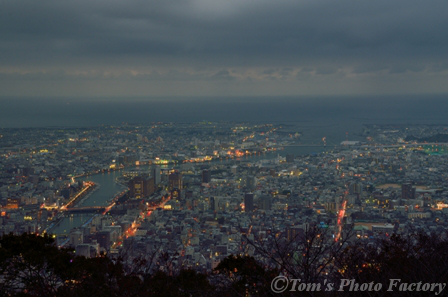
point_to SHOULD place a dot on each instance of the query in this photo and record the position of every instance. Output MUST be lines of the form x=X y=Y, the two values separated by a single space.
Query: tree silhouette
x=307 y=255
x=243 y=275
x=33 y=265
x=412 y=258
x=185 y=283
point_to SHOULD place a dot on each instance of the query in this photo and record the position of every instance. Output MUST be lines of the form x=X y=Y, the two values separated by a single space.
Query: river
x=109 y=188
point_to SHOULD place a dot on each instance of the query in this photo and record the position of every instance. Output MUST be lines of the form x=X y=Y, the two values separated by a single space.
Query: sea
x=337 y=118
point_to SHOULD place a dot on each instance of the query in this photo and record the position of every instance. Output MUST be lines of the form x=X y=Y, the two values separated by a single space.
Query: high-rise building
x=206 y=176
x=175 y=181
x=248 y=202
x=355 y=188
x=156 y=174
x=407 y=191
x=141 y=187
x=264 y=202
x=251 y=182
x=175 y=184
x=214 y=201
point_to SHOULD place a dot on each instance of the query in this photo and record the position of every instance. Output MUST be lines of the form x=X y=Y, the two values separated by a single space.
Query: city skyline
x=231 y=48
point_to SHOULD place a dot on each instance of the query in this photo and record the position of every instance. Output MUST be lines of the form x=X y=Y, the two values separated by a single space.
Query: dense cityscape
x=223 y=148
x=195 y=194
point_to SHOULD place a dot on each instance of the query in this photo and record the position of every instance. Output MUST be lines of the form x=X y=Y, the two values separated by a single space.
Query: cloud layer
x=205 y=47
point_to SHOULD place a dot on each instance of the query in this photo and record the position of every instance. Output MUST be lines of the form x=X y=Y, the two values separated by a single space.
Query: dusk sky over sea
x=222 y=48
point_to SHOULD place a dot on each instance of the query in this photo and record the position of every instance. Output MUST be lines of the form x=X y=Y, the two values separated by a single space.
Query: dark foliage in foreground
x=33 y=266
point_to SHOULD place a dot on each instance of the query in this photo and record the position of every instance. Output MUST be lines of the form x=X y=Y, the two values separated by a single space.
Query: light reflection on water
x=70 y=222
x=108 y=187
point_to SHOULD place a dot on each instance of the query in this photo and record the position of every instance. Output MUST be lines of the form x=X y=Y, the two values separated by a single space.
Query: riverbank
x=109 y=189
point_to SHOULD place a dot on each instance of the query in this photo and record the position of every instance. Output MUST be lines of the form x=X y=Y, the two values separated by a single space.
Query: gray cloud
x=223 y=74
x=278 y=37
x=197 y=27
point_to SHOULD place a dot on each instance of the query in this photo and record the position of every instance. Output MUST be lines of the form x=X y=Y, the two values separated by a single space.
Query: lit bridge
x=85 y=209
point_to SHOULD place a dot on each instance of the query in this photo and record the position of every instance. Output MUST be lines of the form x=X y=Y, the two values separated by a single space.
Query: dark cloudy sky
x=222 y=48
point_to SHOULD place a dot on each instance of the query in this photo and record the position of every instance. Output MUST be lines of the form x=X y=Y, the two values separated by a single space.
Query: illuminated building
x=12 y=203
x=175 y=181
x=141 y=187
x=175 y=193
x=175 y=184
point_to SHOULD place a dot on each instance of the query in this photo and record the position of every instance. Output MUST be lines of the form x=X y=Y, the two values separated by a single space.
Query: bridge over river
x=85 y=209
